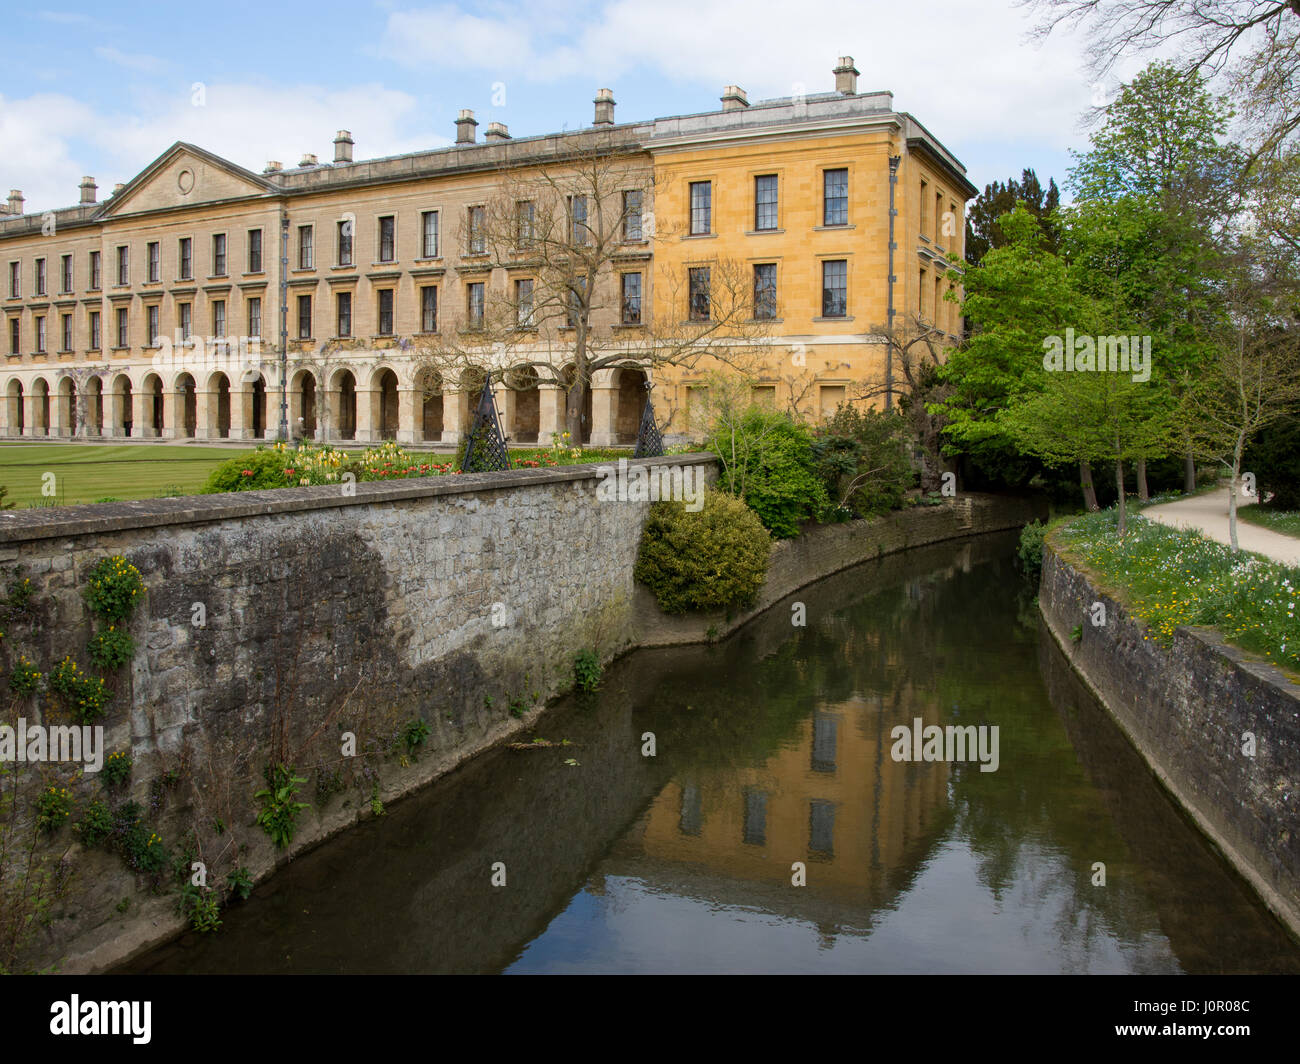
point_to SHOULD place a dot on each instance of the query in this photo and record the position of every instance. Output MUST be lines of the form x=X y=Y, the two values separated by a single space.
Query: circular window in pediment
x=185 y=181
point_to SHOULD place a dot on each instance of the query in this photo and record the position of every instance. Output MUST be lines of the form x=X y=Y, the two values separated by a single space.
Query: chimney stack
x=734 y=98
x=273 y=167
x=88 y=190
x=343 y=147
x=465 y=126
x=15 y=201
x=496 y=131
x=846 y=77
x=308 y=159
x=118 y=188
x=604 y=102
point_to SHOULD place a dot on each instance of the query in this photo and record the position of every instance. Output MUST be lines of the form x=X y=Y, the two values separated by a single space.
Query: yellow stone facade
x=181 y=339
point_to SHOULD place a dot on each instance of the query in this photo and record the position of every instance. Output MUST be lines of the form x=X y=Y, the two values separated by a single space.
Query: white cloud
x=145 y=64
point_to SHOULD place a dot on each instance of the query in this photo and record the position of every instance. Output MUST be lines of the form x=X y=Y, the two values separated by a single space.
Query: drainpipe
x=284 y=324
x=894 y=160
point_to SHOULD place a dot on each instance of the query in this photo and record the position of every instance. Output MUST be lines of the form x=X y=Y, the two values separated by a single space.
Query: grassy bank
x=1285 y=521
x=1171 y=578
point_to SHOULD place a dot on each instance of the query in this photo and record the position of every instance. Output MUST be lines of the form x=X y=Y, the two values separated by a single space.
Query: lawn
x=1285 y=521
x=92 y=472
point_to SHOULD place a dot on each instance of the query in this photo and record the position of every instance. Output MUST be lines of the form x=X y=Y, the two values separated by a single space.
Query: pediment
x=185 y=176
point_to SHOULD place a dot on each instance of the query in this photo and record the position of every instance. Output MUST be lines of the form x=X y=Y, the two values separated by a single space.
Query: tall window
x=429 y=235
x=385 y=312
x=255 y=251
x=474 y=304
x=821 y=827
x=835 y=197
x=218 y=317
x=15 y=336
x=632 y=214
x=153 y=262
x=187 y=319
x=95 y=276
x=524 y=302
x=65 y=274
x=123 y=266
x=123 y=328
x=835 y=288
x=701 y=207
x=699 y=289
x=631 y=298
x=525 y=223
x=40 y=334
x=477 y=244
x=187 y=258
x=219 y=256
x=925 y=207
x=95 y=339
x=304 y=317
x=40 y=277
x=765 y=291
x=345 y=242
x=65 y=332
x=15 y=279
x=765 y=201
x=306 y=255
x=429 y=308
x=387 y=239
x=343 y=306
x=578 y=217
x=938 y=217
x=151 y=325
x=255 y=316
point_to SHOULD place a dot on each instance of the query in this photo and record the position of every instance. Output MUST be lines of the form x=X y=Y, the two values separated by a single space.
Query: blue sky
x=89 y=89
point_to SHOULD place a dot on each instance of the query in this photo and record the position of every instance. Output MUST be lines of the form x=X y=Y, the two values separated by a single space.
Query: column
x=241 y=410
x=367 y=427
x=451 y=426
x=604 y=409
x=504 y=398
x=409 y=408
x=141 y=411
x=207 y=422
x=550 y=398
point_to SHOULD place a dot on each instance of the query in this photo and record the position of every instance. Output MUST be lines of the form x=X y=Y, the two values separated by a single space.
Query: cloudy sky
x=91 y=89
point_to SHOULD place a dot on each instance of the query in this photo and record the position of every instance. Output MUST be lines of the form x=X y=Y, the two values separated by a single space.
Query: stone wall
x=1186 y=709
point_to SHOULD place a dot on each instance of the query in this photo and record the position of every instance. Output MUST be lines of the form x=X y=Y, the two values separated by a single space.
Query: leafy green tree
x=983 y=231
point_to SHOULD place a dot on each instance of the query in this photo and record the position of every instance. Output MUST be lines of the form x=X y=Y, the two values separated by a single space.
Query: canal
x=773 y=752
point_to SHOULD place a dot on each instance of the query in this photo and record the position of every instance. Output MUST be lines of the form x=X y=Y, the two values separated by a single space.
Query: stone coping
x=95 y=518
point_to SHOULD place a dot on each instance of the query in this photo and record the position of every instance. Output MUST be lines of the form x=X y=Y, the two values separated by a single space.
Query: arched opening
x=40 y=407
x=153 y=405
x=14 y=408
x=631 y=401
x=65 y=422
x=219 y=392
x=428 y=399
x=302 y=406
x=344 y=398
x=259 y=408
x=527 y=419
x=121 y=406
x=384 y=397
x=95 y=406
x=186 y=399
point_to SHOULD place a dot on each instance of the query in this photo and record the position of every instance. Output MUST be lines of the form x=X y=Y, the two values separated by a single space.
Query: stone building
x=157 y=312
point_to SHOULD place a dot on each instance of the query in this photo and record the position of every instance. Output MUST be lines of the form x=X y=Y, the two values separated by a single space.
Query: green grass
x=90 y=472
x=1171 y=578
x=1285 y=521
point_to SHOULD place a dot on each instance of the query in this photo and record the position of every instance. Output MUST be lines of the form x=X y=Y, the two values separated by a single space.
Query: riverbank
x=1217 y=725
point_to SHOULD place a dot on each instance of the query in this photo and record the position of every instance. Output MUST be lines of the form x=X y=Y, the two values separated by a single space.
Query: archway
x=153 y=405
x=631 y=401
x=120 y=405
x=384 y=411
x=527 y=419
x=428 y=398
x=259 y=408
x=343 y=397
x=16 y=416
x=65 y=421
x=302 y=406
x=40 y=407
x=95 y=406
x=186 y=413
x=219 y=391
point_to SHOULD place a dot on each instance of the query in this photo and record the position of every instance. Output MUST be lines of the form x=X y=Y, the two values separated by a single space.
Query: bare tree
x=561 y=235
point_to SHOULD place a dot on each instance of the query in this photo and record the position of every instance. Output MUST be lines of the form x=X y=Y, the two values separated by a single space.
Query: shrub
x=414 y=733
x=711 y=559
x=1031 y=549
x=239 y=883
x=768 y=461
x=97 y=823
x=64 y=677
x=25 y=677
x=53 y=808
x=201 y=906
x=279 y=814
x=117 y=769
x=115 y=588
x=1274 y=456
x=250 y=472
x=587 y=671
x=111 y=648
x=141 y=848
x=862 y=459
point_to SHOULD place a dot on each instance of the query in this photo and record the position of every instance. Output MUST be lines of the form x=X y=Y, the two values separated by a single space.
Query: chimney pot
x=118 y=188
x=846 y=77
x=343 y=146
x=496 y=131
x=273 y=167
x=734 y=98
x=308 y=159
x=465 y=126
x=604 y=102
x=15 y=201
x=88 y=190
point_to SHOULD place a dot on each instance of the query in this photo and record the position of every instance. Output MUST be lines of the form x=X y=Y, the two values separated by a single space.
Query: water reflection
x=774 y=751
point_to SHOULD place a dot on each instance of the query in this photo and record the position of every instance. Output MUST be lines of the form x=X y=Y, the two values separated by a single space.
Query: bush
x=25 y=677
x=712 y=559
x=96 y=824
x=115 y=588
x=111 y=648
x=1274 y=457
x=768 y=461
x=141 y=848
x=250 y=472
x=53 y=808
x=1031 y=549
x=279 y=813
x=117 y=769
x=587 y=671
x=862 y=459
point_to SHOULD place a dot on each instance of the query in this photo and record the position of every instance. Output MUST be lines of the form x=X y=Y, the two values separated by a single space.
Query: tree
x=982 y=229
x=557 y=234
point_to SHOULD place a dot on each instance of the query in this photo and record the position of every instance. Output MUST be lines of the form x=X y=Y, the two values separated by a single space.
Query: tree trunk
x=1144 y=494
x=1123 y=509
x=1232 y=493
x=1189 y=473
x=1089 y=492
x=573 y=402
